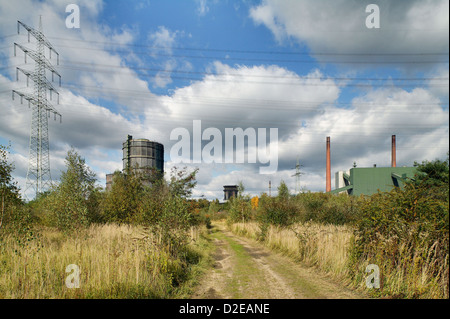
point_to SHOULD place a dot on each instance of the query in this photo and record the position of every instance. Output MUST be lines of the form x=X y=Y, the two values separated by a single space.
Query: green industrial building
x=368 y=180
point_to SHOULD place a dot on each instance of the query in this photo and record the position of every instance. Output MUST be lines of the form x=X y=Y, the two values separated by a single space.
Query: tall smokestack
x=393 y=150
x=328 y=187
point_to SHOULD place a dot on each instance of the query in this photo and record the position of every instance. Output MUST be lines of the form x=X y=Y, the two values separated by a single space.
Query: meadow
x=114 y=261
x=148 y=241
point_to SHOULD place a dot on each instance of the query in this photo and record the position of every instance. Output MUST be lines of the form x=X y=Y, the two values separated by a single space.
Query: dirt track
x=244 y=268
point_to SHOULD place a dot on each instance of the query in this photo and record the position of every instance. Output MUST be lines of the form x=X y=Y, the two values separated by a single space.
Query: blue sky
x=312 y=69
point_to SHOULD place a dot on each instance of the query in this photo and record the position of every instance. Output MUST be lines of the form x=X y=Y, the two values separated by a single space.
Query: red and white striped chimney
x=393 y=150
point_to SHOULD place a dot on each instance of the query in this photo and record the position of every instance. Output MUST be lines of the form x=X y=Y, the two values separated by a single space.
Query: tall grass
x=407 y=271
x=319 y=245
x=114 y=262
x=411 y=273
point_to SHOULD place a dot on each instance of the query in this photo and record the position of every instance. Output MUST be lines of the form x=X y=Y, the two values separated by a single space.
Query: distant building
x=140 y=155
x=230 y=191
x=340 y=181
x=368 y=180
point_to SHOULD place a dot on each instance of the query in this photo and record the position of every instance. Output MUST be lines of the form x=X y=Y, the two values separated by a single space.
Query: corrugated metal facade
x=142 y=153
x=368 y=180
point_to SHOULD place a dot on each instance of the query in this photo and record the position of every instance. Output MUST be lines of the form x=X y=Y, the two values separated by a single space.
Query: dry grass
x=327 y=248
x=114 y=261
x=323 y=246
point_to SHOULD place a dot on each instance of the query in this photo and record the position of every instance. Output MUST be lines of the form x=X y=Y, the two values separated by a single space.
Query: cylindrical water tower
x=141 y=154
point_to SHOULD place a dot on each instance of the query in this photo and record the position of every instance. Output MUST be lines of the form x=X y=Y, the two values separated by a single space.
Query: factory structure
x=143 y=156
x=230 y=191
x=368 y=180
x=140 y=156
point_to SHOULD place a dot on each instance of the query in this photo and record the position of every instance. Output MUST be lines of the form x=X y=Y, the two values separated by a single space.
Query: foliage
x=182 y=182
x=15 y=219
x=254 y=202
x=70 y=204
x=278 y=212
x=121 y=203
x=214 y=207
x=433 y=174
x=239 y=208
x=9 y=191
x=406 y=231
x=305 y=207
x=283 y=191
x=241 y=189
x=115 y=261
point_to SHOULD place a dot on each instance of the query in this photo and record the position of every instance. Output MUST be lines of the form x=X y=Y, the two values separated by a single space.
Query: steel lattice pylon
x=38 y=175
x=297 y=177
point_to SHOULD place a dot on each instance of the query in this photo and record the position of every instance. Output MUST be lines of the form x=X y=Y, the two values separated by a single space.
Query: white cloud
x=163 y=38
x=202 y=8
x=110 y=100
x=338 y=26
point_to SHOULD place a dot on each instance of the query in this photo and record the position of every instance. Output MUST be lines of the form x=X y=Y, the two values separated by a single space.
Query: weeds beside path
x=244 y=268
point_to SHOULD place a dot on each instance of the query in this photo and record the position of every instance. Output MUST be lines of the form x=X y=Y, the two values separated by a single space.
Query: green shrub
x=278 y=211
x=120 y=203
x=74 y=202
x=405 y=232
x=239 y=210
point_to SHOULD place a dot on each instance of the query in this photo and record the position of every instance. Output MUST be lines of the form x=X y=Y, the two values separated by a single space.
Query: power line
x=251 y=51
x=308 y=77
x=300 y=81
x=257 y=104
x=229 y=58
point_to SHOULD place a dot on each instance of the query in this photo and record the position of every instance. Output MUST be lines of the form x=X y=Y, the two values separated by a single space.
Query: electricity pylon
x=297 y=176
x=38 y=175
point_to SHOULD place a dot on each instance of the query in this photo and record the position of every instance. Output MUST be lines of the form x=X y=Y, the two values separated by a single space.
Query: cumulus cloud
x=103 y=100
x=338 y=27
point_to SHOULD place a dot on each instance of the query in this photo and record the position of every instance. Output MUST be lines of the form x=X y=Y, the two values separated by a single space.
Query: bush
x=327 y=208
x=405 y=232
x=9 y=191
x=121 y=203
x=70 y=205
x=278 y=212
x=239 y=209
